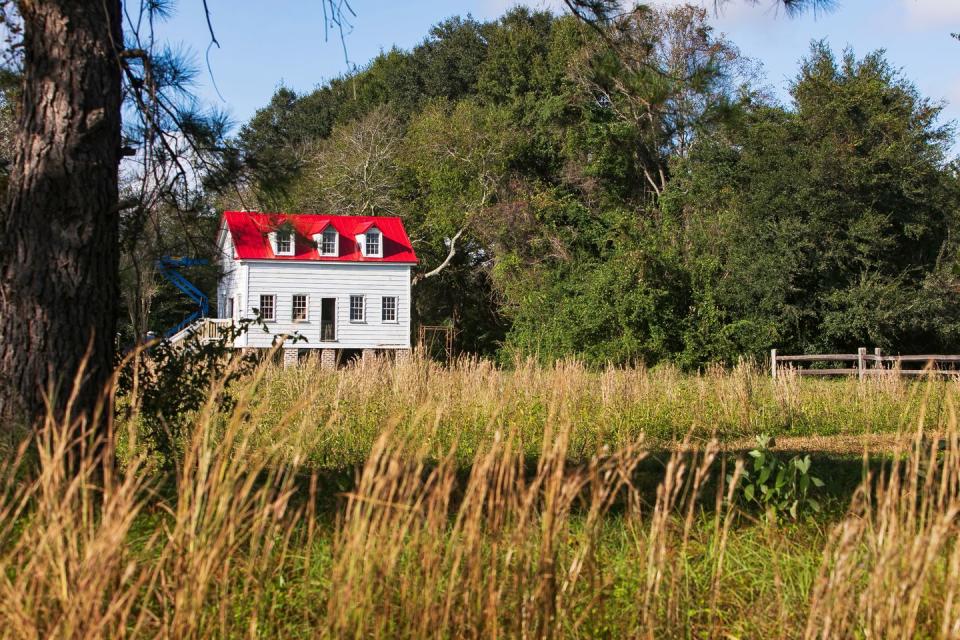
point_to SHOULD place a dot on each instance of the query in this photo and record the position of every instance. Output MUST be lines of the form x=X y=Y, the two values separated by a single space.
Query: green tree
x=665 y=75
x=354 y=171
x=459 y=154
x=613 y=295
x=620 y=191
x=827 y=226
x=273 y=143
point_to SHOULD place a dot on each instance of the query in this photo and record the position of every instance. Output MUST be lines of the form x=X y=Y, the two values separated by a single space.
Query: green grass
x=764 y=590
x=418 y=501
x=604 y=409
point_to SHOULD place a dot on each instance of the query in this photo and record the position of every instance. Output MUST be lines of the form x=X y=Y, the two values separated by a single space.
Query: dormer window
x=373 y=243
x=282 y=241
x=328 y=242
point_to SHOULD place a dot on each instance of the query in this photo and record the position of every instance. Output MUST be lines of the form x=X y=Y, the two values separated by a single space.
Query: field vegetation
x=582 y=198
x=416 y=500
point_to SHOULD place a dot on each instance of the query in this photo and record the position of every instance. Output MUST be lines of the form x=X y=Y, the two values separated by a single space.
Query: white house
x=341 y=282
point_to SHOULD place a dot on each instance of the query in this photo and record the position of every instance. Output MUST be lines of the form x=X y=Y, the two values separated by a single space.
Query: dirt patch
x=845 y=445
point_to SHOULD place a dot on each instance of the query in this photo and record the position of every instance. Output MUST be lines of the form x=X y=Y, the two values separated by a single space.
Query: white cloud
x=932 y=13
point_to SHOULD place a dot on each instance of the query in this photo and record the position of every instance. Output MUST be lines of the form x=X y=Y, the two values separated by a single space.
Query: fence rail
x=868 y=364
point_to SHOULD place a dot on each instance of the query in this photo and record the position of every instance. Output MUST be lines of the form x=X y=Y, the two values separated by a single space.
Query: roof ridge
x=322 y=215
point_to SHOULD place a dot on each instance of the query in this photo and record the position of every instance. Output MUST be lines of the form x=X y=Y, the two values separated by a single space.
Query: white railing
x=204 y=330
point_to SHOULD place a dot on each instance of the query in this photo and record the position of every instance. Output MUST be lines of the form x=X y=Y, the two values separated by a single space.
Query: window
x=389 y=309
x=328 y=242
x=268 y=307
x=372 y=243
x=284 y=243
x=356 y=308
x=299 y=308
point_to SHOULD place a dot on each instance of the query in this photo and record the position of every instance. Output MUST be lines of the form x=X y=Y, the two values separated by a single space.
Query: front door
x=328 y=319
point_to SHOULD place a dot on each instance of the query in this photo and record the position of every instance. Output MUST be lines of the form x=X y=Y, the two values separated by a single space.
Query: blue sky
x=264 y=44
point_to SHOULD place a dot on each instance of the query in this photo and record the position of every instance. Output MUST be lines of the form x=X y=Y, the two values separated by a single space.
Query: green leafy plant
x=779 y=486
x=164 y=385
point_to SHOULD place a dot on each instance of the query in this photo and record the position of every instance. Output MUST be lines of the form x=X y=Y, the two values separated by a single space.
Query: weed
x=779 y=486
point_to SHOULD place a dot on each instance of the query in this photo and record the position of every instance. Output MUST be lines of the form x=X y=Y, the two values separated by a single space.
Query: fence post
x=861 y=361
x=878 y=363
x=773 y=363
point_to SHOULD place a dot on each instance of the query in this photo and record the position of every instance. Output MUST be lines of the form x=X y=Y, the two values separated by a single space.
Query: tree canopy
x=625 y=191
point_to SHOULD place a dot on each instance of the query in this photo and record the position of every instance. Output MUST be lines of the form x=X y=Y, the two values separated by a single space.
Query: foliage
x=618 y=309
x=666 y=76
x=9 y=95
x=779 y=486
x=624 y=190
x=164 y=385
x=829 y=226
x=355 y=170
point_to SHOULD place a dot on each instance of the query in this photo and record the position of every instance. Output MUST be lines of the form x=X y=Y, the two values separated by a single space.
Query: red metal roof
x=250 y=232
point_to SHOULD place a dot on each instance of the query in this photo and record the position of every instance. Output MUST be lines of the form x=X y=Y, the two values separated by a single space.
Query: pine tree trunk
x=59 y=230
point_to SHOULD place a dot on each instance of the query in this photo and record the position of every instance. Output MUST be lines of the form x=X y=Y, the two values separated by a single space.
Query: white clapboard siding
x=229 y=274
x=232 y=283
x=330 y=280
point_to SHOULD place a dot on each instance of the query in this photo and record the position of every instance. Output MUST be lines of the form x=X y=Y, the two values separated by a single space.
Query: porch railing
x=203 y=330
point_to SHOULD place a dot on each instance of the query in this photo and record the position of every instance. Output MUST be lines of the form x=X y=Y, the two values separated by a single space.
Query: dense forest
x=621 y=193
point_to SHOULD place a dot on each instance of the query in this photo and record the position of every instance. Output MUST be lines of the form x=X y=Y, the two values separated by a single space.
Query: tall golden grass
x=422 y=545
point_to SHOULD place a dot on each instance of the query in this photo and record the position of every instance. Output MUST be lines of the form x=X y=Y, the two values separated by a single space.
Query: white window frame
x=363 y=308
x=366 y=241
x=273 y=307
x=275 y=242
x=396 y=309
x=320 y=244
x=306 y=308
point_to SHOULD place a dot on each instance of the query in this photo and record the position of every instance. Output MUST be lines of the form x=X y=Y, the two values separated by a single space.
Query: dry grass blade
x=471 y=501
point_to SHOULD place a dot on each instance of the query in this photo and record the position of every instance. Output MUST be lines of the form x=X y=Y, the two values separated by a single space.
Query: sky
x=268 y=43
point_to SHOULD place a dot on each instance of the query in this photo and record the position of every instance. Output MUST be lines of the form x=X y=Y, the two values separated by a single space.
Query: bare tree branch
x=450 y=255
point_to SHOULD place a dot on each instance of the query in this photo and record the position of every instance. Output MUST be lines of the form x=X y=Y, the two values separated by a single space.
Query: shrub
x=162 y=386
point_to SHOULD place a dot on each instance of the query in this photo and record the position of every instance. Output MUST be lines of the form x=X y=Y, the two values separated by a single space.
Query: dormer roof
x=365 y=226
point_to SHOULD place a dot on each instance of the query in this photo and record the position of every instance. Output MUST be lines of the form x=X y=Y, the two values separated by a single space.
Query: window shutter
x=273 y=241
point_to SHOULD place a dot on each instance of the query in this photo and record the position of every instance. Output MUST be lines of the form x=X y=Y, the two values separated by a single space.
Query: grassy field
x=465 y=405
x=413 y=500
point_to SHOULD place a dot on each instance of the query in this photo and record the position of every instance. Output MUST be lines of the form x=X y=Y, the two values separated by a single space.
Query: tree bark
x=59 y=230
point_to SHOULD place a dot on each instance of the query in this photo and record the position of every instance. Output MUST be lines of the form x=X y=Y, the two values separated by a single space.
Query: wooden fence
x=863 y=364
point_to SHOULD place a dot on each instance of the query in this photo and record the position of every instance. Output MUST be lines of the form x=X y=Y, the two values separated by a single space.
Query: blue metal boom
x=169 y=269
